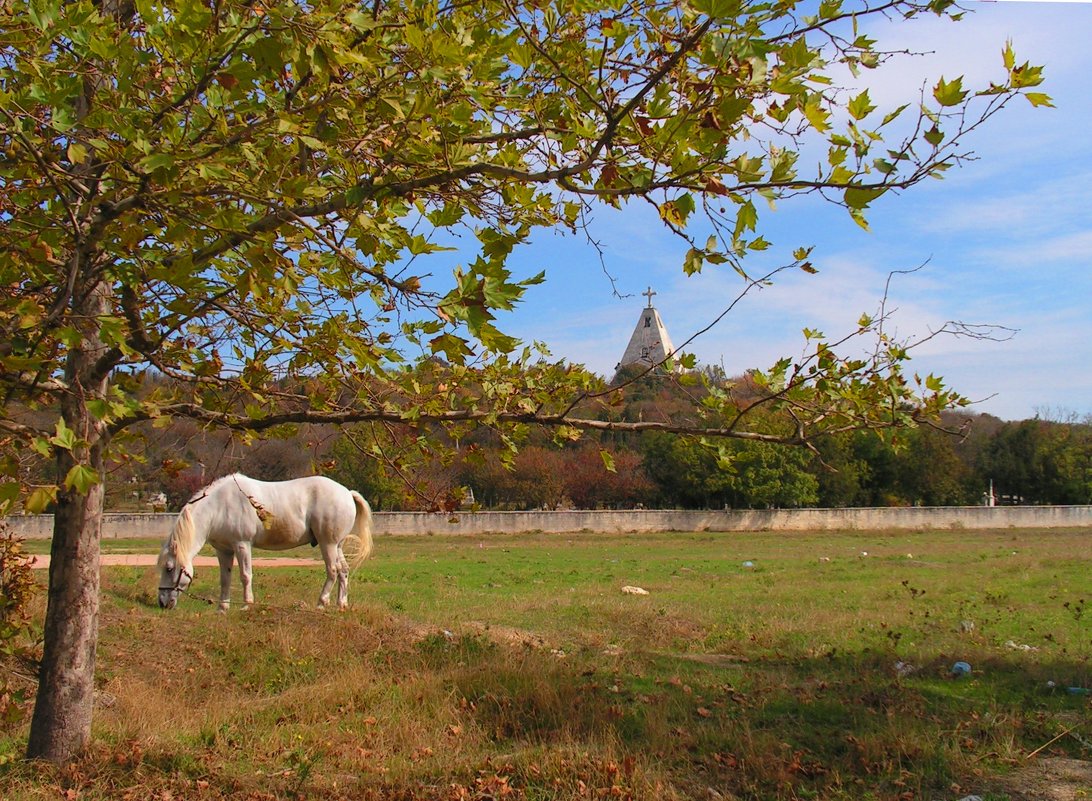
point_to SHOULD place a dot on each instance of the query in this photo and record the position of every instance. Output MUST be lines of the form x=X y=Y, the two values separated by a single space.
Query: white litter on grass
x=634 y=591
x=1015 y=646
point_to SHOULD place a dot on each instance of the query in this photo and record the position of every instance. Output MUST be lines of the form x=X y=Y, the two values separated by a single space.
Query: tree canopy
x=243 y=197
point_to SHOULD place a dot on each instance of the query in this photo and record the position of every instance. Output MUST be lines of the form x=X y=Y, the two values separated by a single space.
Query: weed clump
x=17 y=589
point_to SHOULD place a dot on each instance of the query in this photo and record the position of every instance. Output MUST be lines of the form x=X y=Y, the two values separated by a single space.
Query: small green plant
x=301 y=762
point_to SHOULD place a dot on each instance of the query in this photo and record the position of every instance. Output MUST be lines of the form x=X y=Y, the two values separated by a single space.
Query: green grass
x=513 y=666
x=149 y=545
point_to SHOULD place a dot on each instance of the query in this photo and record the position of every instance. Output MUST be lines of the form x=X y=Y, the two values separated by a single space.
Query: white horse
x=234 y=513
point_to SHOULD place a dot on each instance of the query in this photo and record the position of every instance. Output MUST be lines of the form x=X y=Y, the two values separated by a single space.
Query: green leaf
x=934 y=136
x=1008 y=56
x=861 y=106
x=693 y=261
x=746 y=218
x=81 y=478
x=949 y=93
x=816 y=115
x=43 y=13
x=40 y=500
x=76 y=153
x=157 y=161
x=858 y=197
x=454 y=348
x=1039 y=99
x=9 y=494
x=893 y=115
x=64 y=437
x=608 y=461
x=722 y=9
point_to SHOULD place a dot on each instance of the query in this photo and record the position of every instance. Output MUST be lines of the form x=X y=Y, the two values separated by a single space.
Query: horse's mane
x=184 y=533
x=182 y=536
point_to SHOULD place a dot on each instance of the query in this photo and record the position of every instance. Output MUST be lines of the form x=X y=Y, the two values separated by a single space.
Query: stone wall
x=125 y=525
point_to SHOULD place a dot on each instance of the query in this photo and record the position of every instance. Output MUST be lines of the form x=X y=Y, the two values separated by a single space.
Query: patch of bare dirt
x=1050 y=779
x=41 y=561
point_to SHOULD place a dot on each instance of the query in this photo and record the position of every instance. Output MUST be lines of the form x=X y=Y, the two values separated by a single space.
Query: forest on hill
x=1034 y=461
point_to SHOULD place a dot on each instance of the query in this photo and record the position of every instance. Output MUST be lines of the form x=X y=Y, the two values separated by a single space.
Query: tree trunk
x=61 y=726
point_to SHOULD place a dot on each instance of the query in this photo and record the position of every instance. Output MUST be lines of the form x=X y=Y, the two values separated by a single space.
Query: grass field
x=758 y=666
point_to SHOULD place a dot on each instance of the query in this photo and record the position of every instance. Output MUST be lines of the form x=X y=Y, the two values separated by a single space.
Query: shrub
x=17 y=588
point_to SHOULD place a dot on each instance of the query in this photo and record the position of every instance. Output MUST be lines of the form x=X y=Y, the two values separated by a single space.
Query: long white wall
x=126 y=526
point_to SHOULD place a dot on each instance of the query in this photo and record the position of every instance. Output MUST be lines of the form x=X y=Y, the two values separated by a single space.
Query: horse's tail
x=362 y=530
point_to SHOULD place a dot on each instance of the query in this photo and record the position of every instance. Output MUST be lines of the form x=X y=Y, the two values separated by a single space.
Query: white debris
x=634 y=590
x=904 y=669
x=1015 y=646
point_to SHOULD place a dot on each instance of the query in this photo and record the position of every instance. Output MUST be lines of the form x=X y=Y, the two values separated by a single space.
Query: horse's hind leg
x=342 y=579
x=336 y=570
x=226 y=558
x=242 y=553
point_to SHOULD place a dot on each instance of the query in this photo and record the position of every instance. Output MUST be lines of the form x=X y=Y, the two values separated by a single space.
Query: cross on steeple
x=649 y=295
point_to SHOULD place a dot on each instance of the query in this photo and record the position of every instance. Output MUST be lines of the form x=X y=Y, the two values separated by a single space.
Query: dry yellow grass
x=520 y=671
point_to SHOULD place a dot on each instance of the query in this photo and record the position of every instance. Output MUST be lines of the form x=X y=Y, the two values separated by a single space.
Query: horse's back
x=303 y=509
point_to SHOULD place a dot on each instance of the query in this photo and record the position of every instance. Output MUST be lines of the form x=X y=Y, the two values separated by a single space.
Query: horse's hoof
x=222 y=609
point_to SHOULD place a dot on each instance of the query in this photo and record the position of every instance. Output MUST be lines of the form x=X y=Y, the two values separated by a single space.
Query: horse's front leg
x=226 y=559
x=242 y=553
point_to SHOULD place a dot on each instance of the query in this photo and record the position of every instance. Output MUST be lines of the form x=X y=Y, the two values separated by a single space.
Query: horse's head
x=175 y=561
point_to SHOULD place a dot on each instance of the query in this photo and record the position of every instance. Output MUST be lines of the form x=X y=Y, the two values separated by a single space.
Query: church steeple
x=650 y=343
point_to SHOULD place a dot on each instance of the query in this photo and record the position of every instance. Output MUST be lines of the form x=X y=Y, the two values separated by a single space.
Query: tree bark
x=61 y=725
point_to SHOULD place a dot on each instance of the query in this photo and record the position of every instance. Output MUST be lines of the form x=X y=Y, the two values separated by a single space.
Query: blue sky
x=1007 y=238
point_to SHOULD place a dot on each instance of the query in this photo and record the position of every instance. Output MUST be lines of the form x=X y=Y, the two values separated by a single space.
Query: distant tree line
x=1035 y=461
